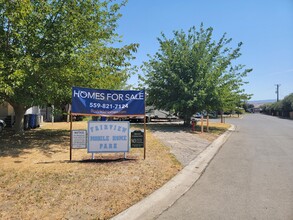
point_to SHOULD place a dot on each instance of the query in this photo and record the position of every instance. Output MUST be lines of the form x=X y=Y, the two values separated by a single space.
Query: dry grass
x=215 y=130
x=37 y=180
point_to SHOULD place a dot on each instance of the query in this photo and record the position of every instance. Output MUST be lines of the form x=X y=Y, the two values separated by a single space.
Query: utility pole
x=277 y=91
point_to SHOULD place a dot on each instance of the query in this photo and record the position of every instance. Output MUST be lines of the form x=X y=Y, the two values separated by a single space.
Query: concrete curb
x=163 y=198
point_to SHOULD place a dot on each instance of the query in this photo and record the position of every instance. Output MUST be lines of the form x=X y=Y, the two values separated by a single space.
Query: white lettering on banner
x=108 y=136
x=107 y=102
x=88 y=95
x=114 y=97
x=107 y=106
x=138 y=96
x=107 y=96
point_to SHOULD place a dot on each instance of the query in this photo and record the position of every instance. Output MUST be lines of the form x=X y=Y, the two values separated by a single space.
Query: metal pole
x=144 y=137
x=144 y=128
x=277 y=91
x=70 y=156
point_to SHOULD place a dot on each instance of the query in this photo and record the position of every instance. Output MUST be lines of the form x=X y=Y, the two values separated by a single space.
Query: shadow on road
x=177 y=127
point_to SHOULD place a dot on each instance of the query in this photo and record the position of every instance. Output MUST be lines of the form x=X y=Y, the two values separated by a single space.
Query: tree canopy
x=192 y=72
x=48 y=46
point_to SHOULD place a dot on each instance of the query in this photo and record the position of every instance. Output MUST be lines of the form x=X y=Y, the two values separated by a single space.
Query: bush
x=283 y=107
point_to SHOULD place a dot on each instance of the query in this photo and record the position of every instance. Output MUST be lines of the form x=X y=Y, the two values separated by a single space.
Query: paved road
x=250 y=178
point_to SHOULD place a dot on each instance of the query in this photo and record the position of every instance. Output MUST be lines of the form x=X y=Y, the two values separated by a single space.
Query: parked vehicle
x=2 y=125
x=153 y=114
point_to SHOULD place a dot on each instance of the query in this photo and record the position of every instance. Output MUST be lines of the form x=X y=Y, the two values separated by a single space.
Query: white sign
x=78 y=139
x=108 y=136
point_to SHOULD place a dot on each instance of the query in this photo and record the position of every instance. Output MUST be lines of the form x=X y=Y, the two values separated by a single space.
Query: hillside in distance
x=257 y=103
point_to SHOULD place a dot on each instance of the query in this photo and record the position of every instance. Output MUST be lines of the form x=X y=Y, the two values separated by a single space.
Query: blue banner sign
x=107 y=102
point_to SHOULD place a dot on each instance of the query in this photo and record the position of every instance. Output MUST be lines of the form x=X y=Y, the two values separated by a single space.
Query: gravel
x=185 y=145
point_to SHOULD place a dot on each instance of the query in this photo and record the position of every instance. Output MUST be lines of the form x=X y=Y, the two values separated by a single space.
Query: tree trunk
x=201 y=123
x=222 y=119
x=208 y=127
x=187 y=120
x=19 y=111
x=68 y=110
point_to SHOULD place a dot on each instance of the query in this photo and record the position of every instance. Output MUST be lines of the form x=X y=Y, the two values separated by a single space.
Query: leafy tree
x=48 y=46
x=276 y=107
x=287 y=103
x=192 y=72
x=280 y=108
x=246 y=106
x=266 y=108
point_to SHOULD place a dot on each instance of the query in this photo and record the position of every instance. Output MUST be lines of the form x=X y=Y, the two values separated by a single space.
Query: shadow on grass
x=41 y=139
x=15 y=145
x=105 y=160
x=180 y=128
x=165 y=127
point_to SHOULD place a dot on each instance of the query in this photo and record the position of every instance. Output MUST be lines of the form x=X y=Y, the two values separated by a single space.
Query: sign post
x=144 y=136
x=102 y=136
x=70 y=156
x=144 y=133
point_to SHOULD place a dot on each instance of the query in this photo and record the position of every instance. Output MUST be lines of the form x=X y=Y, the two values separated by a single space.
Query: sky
x=264 y=26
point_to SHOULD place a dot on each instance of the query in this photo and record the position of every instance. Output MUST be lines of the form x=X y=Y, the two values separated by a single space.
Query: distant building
x=7 y=113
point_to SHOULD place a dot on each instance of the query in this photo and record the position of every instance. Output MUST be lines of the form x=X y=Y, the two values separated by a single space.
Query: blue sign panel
x=107 y=102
